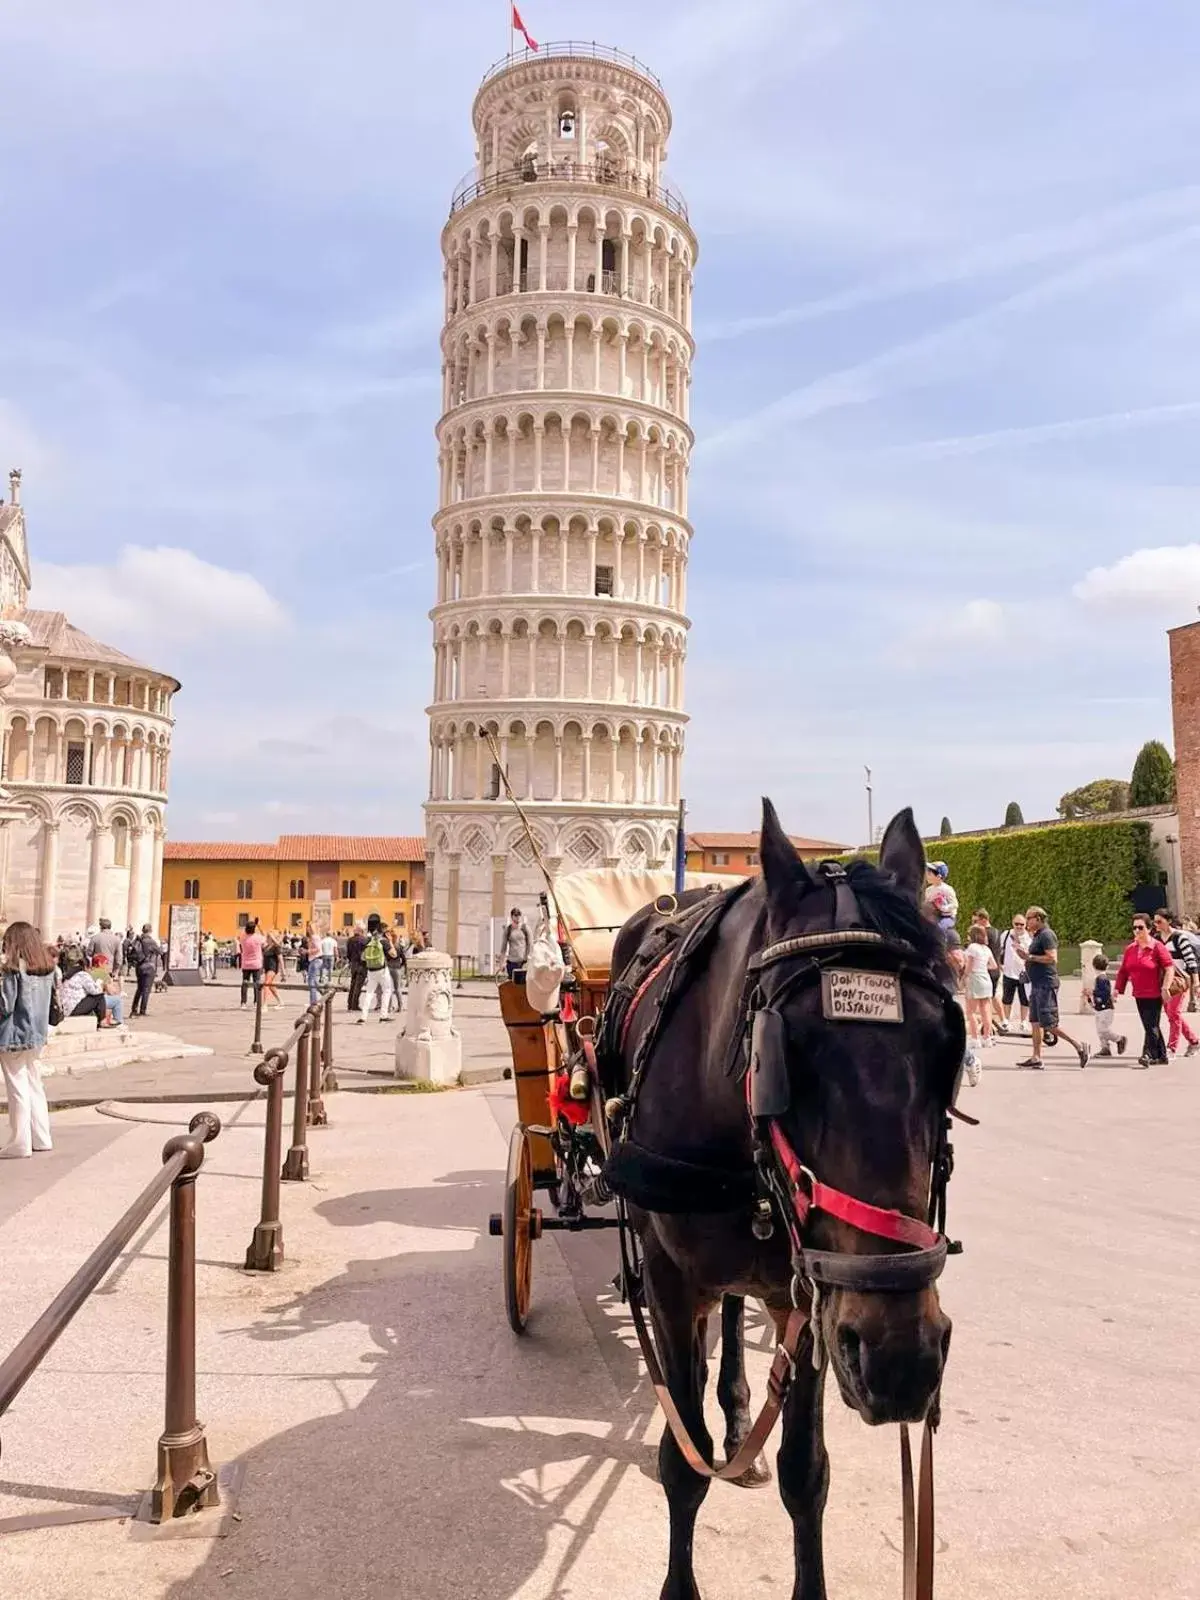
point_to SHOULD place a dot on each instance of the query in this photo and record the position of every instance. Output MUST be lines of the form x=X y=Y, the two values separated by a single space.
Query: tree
x=945 y=831
x=1153 y=780
x=1095 y=799
x=1012 y=816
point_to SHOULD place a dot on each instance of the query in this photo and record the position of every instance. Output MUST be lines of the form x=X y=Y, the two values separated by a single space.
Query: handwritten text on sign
x=849 y=996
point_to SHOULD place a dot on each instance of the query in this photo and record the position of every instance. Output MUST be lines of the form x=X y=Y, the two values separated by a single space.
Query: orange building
x=737 y=853
x=331 y=880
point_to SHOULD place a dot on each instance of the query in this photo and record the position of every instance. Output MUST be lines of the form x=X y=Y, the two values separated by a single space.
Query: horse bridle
x=794 y=1189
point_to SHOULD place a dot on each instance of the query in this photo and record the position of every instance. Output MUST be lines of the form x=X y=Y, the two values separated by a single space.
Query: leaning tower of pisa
x=562 y=531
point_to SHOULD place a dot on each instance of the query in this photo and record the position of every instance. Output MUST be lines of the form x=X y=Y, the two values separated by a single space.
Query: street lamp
x=870 y=809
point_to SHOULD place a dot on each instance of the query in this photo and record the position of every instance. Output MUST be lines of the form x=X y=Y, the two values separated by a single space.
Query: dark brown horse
x=860 y=1102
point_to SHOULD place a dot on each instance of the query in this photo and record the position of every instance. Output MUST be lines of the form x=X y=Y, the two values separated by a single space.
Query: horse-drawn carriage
x=561 y=1138
x=762 y=1075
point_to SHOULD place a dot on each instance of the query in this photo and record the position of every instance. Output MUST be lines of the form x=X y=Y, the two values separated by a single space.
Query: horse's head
x=868 y=1048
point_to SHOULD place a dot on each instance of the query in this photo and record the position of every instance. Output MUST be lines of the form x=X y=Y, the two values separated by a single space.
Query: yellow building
x=737 y=853
x=330 y=880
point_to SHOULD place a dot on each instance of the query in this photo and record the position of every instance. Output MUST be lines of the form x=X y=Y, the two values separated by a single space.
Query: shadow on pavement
x=473 y=1459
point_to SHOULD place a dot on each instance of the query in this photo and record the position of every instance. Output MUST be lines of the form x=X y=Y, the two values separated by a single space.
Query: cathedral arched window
x=120 y=835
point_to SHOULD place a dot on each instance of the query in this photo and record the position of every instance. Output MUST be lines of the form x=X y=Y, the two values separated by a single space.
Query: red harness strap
x=809 y=1193
x=641 y=990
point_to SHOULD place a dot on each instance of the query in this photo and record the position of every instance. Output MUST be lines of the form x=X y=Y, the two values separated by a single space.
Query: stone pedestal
x=430 y=1048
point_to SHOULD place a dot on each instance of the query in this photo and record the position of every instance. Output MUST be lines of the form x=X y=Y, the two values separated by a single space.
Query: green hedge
x=1081 y=872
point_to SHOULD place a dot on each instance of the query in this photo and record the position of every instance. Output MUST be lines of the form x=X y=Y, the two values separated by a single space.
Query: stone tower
x=562 y=532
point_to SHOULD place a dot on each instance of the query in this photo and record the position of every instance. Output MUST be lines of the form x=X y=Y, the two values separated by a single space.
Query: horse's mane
x=888 y=910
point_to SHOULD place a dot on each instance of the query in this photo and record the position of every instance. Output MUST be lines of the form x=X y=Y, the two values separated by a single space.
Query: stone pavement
x=400 y=1444
x=212 y=1016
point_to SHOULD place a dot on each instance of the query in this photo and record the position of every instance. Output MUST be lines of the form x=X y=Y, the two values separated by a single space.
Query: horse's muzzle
x=889 y=1359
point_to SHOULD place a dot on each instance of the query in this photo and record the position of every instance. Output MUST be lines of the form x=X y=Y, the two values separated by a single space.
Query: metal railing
x=604 y=174
x=186 y=1480
x=581 y=50
x=312 y=1041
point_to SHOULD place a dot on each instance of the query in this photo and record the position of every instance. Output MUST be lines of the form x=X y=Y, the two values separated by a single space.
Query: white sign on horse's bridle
x=849 y=995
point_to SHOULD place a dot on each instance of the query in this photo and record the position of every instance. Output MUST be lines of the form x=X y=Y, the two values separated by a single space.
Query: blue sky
x=946 y=396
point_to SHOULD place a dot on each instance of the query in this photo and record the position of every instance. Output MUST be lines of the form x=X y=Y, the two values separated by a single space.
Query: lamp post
x=870 y=809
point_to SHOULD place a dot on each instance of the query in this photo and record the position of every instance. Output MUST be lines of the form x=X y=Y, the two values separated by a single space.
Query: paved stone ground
x=400 y=1444
x=213 y=1016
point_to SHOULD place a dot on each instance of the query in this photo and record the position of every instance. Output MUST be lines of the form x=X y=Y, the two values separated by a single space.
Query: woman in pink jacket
x=1146 y=968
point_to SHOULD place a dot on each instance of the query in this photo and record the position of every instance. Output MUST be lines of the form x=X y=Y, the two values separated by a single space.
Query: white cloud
x=1148 y=581
x=938 y=630
x=157 y=594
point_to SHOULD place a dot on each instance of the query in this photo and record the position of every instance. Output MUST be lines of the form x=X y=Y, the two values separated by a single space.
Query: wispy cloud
x=1047 y=432
x=919 y=360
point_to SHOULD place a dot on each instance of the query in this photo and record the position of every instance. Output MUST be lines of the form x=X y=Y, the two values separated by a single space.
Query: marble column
x=101 y=843
x=46 y=901
x=156 y=871
x=134 y=910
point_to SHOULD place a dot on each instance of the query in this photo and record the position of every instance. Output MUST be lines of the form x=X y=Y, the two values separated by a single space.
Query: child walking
x=980 y=964
x=1101 y=1002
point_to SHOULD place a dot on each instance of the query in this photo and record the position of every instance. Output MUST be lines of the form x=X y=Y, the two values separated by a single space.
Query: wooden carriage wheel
x=522 y=1224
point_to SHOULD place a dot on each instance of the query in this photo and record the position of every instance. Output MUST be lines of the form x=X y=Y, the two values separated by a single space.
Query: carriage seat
x=597 y=903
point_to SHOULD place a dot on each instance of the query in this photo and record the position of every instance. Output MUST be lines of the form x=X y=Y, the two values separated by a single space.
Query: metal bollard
x=266 y=1246
x=318 y=1117
x=329 y=1081
x=256 y=1048
x=295 y=1167
x=186 y=1481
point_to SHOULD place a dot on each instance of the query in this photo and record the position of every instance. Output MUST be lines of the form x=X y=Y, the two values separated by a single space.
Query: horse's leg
x=680 y=1328
x=803 y=1466
x=733 y=1391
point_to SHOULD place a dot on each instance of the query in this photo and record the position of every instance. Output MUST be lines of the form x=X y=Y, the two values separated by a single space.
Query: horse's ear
x=902 y=853
x=784 y=873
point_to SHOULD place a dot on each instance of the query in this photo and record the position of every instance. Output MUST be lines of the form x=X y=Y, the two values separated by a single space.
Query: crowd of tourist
x=1009 y=981
x=372 y=957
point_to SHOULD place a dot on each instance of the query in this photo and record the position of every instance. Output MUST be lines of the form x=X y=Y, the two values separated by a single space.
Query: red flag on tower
x=522 y=29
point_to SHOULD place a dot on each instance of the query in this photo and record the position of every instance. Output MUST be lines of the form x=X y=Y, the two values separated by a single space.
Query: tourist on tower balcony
x=26 y=985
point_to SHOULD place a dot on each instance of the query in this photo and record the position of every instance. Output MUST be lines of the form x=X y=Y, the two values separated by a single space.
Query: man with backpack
x=377 y=980
x=145 y=954
x=355 y=945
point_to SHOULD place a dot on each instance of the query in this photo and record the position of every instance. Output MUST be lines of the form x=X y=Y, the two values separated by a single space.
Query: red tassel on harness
x=575 y=1112
x=566 y=1010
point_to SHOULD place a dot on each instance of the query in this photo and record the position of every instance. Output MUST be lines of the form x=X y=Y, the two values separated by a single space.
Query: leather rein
x=791 y=1191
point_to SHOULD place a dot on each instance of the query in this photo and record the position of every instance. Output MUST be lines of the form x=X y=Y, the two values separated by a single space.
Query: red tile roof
x=351 y=847
x=181 y=850
x=303 y=847
x=749 y=841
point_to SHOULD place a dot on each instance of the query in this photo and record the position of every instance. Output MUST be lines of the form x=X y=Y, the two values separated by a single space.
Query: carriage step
x=496 y=1226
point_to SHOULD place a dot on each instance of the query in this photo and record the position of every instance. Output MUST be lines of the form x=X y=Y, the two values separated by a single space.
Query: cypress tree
x=1153 y=779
